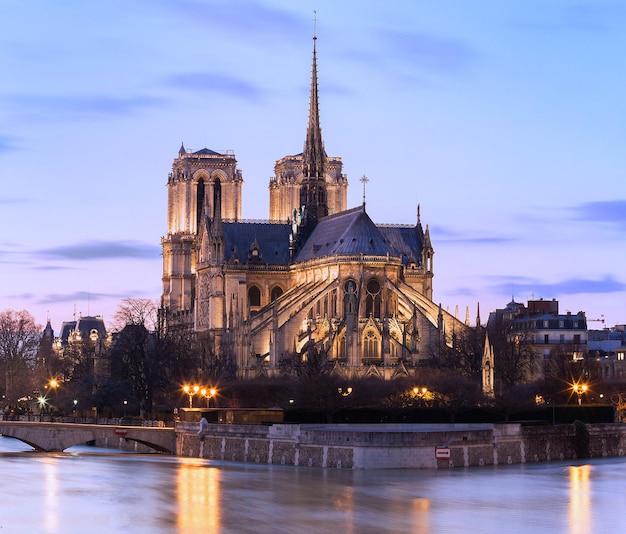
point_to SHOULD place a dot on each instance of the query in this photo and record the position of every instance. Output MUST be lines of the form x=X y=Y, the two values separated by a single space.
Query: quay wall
x=399 y=445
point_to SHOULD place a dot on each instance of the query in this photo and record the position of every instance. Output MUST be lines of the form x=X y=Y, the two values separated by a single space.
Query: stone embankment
x=399 y=445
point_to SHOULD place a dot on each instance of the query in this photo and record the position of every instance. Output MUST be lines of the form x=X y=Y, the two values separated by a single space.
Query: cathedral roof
x=352 y=232
x=208 y=152
x=272 y=240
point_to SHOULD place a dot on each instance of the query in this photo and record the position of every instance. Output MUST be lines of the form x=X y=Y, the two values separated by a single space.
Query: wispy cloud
x=607 y=211
x=7 y=144
x=446 y=235
x=208 y=82
x=7 y=201
x=103 y=250
x=76 y=296
x=572 y=286
x=240 y=16
x=64 y=107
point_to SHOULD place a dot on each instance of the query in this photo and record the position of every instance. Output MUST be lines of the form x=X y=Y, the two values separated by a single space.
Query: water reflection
x=580 y=518
x=101 y=493
x=51 y=492
x=198 y=497
x=420 y=509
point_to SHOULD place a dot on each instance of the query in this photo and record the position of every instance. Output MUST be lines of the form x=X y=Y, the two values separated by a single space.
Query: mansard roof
x=272 y=240
x=84 y=325
x=352 y=232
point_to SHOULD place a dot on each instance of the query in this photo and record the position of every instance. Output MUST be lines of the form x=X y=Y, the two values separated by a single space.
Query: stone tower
x=202 y=182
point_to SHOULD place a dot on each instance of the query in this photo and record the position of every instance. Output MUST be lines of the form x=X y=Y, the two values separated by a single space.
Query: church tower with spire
x=310 y=180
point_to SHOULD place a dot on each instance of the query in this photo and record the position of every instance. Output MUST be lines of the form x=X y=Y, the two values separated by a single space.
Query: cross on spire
x=364 y=179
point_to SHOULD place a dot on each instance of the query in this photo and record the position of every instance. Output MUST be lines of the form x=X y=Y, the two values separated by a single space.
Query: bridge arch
x=60 y=436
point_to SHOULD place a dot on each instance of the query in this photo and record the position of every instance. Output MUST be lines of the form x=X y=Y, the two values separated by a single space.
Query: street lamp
x=125 y=404
x=190 y=392
x=207 y=394
x=344 y=392
x=579 y=389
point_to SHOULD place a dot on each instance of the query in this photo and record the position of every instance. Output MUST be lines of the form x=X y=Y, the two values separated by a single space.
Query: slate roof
x=348 y=233
x=352 y=232
x=85 y=325
x=272 y=240
x=405 y=239
x=209 y=152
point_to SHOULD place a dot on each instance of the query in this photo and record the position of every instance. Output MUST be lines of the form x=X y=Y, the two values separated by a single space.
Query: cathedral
x=317 y=282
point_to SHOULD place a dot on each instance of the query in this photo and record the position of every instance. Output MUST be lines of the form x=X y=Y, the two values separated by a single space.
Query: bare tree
x=135 y=312
x=514 y=354
x=19 y=342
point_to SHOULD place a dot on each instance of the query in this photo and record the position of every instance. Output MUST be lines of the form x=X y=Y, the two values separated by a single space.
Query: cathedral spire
x=314 y=155
x=313 y=189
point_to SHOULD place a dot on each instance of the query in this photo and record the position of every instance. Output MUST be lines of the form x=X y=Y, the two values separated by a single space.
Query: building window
x=577 y=339
x=370 y=346
x=349 y=298
x=276 y=292
x=254 y=296
x=199 y=202
x=546 y=339
x=342 y=348
x=372 y=299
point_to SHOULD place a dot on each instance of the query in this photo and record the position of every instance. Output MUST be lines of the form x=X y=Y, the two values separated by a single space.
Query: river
x=86 y=490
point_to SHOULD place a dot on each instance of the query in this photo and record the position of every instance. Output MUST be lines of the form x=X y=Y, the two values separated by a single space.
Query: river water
x=85 y=490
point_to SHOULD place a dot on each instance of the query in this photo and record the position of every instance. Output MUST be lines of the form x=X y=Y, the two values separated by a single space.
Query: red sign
x=121 y=431
x=442 y=452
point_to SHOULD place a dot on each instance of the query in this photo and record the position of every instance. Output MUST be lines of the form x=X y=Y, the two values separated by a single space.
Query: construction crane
x=601 y=320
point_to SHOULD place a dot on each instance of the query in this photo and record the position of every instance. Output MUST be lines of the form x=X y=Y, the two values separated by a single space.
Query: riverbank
x=387 y=446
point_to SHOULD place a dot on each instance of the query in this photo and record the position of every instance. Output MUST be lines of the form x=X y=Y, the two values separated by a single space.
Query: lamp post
x=208 y=394
x=580 y=389
x=421 y=393
x=125 y=404
x=75 y=403
x=190 y=392
x=344 y=392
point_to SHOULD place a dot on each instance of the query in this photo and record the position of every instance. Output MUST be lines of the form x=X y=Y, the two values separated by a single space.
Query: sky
x=504 y=121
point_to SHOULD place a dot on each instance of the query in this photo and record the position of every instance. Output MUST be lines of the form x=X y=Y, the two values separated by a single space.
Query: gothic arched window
x=217 y=198
x=371 y=346
x=349 y=298
x=276 y=292
x=199 y=201
x=254 y=296
x=372 y=299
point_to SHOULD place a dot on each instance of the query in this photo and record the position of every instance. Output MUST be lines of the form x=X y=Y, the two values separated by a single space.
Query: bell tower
x=197 y=182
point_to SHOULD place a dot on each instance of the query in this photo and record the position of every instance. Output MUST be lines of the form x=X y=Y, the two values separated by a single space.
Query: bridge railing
x=115 y=421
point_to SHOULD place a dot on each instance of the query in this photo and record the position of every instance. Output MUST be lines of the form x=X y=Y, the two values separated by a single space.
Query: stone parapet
x=398 y=446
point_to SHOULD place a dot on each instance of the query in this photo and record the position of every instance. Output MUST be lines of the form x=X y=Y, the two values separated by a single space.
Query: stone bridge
x=60 y=436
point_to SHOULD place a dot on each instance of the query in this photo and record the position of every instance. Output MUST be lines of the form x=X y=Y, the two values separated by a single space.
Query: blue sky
x=505 y=121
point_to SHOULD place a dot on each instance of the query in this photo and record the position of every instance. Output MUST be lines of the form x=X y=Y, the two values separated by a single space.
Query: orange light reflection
x=198 y=496
x=579 y=499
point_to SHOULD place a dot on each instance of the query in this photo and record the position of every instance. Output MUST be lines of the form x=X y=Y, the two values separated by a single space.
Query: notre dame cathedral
x=317 y=280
